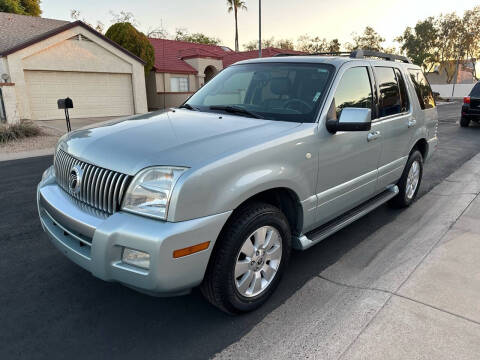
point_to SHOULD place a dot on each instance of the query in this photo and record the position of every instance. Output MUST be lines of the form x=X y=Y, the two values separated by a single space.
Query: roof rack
x=359 y=54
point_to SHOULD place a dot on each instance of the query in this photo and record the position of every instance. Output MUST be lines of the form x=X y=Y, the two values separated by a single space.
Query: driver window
x=353 y=90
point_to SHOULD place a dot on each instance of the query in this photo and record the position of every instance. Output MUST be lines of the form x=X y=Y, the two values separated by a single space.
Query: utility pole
x=259 y=28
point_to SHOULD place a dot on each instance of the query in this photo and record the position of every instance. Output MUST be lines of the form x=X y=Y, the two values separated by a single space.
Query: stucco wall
x=461 y=90
x=10 y=101
x=200 y=64
x=158 y=98
x=61 y=54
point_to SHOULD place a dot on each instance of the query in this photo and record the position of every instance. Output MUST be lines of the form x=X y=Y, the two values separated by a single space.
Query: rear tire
x=409 y=183
x=240 y=259
x=464 y=122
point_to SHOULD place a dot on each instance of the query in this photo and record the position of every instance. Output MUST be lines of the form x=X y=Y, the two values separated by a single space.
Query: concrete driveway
x=365 y=292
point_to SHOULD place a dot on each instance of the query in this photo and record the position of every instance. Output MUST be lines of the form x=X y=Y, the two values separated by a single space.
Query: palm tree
x=235 y=5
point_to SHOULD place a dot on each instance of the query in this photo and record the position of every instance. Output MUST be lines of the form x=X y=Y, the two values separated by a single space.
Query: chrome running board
x=315 y=236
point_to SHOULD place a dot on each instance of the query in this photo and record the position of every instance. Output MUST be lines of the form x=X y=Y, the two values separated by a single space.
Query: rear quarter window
x=476 y=91
x=422 y=89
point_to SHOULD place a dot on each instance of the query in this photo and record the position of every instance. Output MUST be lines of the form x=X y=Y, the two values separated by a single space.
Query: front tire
x=464 y=122
x=409 y=183
x=249 y=259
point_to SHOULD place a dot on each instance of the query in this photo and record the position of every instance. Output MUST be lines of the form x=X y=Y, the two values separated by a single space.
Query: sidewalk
x=45 y=144
x=409 y=291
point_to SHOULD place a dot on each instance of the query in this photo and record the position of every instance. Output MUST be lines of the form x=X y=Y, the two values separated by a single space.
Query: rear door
x=348 y=160
x=396 y=123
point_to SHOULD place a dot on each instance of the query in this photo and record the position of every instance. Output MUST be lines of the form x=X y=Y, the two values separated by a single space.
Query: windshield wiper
x=236 y=110
x=189 y=107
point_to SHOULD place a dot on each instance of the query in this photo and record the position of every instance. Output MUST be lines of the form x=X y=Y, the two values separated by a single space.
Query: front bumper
x=95 y=242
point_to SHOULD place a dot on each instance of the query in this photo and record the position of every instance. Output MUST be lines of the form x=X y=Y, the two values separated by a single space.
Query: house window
x=179 y=84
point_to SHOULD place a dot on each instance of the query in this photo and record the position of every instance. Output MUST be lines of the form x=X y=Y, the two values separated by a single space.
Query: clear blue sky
x=281 y=18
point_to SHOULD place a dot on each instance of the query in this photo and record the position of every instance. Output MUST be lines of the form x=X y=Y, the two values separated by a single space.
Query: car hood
x=178 y=138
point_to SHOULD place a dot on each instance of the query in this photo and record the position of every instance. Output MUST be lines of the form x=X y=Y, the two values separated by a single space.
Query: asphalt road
x=50 y=308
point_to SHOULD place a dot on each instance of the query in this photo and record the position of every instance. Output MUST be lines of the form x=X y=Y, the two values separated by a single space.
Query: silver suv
x=270 y=155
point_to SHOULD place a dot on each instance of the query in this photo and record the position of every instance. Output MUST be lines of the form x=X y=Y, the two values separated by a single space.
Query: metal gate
x=3 y=116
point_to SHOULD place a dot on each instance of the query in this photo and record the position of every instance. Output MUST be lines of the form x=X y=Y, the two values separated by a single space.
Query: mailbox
x=65 y=103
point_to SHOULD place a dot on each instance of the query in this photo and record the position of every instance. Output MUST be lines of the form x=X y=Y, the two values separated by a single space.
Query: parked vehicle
x=471 y=107
x=270 y=155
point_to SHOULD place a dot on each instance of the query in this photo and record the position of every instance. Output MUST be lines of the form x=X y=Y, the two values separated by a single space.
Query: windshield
x=274 y=91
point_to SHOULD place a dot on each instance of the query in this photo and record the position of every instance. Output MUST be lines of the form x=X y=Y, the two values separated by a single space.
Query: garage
x=47 y=59
x=93 y=94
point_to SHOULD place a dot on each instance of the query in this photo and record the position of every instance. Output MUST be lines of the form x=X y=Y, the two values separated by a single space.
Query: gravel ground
x=47 y=140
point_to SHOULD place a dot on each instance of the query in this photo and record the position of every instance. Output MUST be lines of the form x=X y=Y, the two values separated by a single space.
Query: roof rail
x=357 y=54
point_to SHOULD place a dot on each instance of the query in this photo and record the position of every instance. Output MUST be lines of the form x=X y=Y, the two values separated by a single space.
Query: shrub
x=17 y=131
x=125 y=35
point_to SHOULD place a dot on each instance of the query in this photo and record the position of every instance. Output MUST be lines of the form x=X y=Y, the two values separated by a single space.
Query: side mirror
x=351 y=119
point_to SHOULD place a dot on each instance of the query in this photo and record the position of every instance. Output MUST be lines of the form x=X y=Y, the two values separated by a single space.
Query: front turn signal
x=190 y=250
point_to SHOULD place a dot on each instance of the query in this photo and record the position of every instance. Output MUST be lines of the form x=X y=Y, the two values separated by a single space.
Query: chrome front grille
x=100 y=188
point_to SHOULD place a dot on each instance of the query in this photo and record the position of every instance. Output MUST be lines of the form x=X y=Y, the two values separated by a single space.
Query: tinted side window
x=390 y=101
x=476 y=91
x=403 y=90
x=354 y=90
x=422 y=88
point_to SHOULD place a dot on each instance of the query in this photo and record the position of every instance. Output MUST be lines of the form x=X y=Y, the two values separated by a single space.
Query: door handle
x=412 y=123
x=374 y=135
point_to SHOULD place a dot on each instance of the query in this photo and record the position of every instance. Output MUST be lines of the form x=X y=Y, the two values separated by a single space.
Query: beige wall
x=61 y=54
x=158 y=98
x=10 y=102
x=200 y=64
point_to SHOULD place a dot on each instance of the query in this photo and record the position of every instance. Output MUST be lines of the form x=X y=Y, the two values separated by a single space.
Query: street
x=50 y=308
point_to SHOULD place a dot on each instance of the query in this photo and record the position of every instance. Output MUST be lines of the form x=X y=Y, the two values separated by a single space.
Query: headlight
x=150 y=191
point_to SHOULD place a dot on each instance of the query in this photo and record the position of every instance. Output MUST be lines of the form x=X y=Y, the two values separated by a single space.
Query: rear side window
x=354 y=90
x=476 y=91
x=403 y=90
x=422 y=88
x=390 y=100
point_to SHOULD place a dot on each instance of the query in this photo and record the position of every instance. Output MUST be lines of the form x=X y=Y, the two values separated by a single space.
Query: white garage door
x=93 y=94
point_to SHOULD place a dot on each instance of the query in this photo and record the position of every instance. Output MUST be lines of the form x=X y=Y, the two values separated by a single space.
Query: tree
x=21 y=7
x=253 y=45
x=449 y=43
x=75 y=15
x=313 y=45
x=31 y=7
x=123 y=17
x=285 y=44
x=125 y=35
x=235 y=5
x=470 y=36
x=199 y=38
x=369 y=40
x=421 y=43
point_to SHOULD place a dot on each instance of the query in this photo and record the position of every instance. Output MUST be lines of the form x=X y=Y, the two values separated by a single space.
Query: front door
x=348 y=161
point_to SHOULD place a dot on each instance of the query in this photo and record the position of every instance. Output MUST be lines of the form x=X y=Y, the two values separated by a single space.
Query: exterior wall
x=445 y=90
x=10 y=101
x=159 y=92
x=3 y=66
x=200 y=64
x=60 y=54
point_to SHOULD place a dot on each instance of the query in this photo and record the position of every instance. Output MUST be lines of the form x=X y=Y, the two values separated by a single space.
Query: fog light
x=136 y=258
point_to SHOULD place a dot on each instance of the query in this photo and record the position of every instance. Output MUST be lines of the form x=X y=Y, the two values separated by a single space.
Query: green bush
x=125 y=35
x=17 y=131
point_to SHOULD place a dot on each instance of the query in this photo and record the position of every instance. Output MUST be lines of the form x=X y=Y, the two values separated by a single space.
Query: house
x=181 y=68
x=42 y=60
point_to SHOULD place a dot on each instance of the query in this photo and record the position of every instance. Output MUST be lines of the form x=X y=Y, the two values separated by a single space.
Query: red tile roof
x=170 y=55
x=233 y=57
